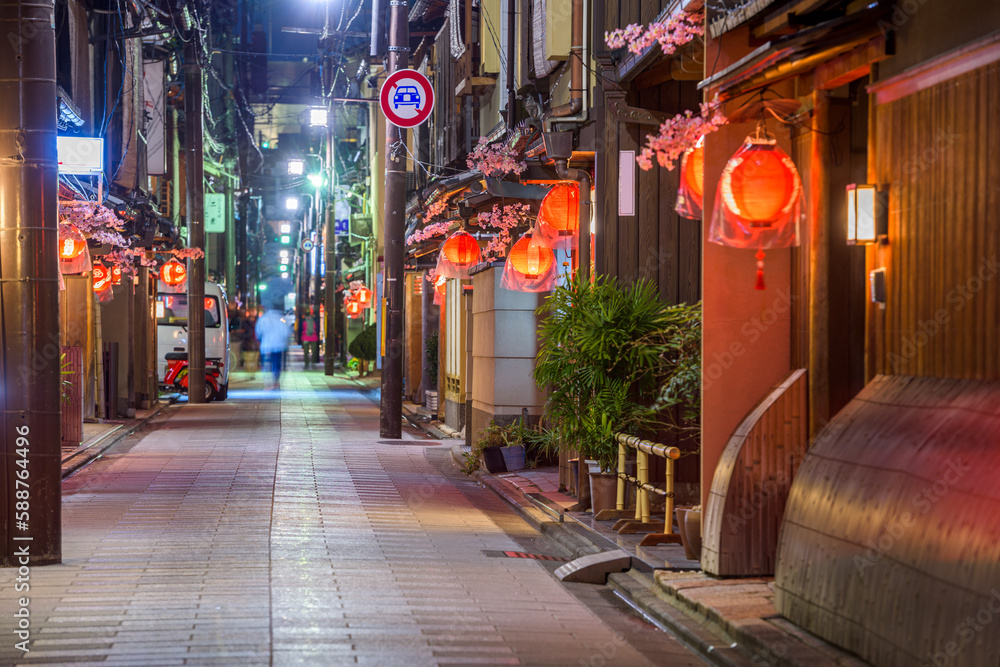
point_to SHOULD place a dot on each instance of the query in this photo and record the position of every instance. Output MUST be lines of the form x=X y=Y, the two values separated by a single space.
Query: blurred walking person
x=310 y=337
x=273 y=333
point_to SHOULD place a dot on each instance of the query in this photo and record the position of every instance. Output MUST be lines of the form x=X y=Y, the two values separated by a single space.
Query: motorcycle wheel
x=210 y=392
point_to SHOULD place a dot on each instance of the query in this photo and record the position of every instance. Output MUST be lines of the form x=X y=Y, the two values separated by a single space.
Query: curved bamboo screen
x=889 y=546
x=752 y=481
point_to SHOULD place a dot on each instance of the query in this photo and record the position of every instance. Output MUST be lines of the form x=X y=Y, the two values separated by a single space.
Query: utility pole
x=195 y=217
x=391 y=414
x=29 y=300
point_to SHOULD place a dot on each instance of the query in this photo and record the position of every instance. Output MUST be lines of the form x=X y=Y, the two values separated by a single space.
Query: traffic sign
x=307 y=245
x=406 y=98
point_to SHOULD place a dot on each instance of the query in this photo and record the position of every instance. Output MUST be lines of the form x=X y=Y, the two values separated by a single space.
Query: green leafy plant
x=364 y=346
x=431 y=356
x=65 y=384
x=492 y=436
x=605 y=352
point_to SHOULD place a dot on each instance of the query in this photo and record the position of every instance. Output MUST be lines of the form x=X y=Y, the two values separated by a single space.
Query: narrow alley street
x=275 y=528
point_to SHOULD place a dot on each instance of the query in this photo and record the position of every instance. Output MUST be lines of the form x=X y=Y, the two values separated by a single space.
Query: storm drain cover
x=522 y=554
x=419 y=443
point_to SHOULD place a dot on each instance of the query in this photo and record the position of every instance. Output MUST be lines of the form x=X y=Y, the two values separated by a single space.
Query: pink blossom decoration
x=495 y=159
x=671 y=34
x=428 y=232
x=680 y=133
x=504 y=219
x=435 y=208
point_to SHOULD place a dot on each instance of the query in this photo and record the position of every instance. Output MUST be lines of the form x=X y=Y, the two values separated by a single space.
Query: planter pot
x=692 y=524
x=513 y=457
x=681 y=515
x=603 y=491
x=594 y=466
x=431 y=398
x=493 y=460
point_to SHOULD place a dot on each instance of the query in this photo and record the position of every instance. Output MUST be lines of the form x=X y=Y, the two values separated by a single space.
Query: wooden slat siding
x=648 y=221
x=751 y=483
x=866 y=482
x=670 y=222
x=937 y=149
x=72 y=409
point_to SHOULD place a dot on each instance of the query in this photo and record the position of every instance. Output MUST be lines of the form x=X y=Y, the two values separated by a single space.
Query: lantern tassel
x=760 y=270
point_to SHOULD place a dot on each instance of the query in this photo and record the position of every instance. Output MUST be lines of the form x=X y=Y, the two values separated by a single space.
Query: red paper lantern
x=760 y=185
x=116 y=275
x=461 y=249
x=352 y=307
x=560 y=210
x=530 y=259
x=71 y=245
x=364 y=297
x=102 y=278
x=173 y=273
x=693 y=171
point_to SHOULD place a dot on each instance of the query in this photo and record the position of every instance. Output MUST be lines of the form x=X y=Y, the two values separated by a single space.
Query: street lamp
x=318 y=117
x=291 y=203
x=296 y=167
x=286 y=228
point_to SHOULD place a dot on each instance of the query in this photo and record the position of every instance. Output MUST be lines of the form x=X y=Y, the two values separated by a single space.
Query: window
x=174 y=311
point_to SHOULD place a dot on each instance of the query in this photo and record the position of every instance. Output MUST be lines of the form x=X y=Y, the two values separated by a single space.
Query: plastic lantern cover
x=530 y=267
x=102 y=283
x=440 y=290
x=72 y=240
x=691 y=190
x=758 y=202
x=559 y=218
x=169 y=275
x=459 y=253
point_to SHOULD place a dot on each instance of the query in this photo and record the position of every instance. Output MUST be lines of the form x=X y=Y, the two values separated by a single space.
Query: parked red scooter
x=177 y=374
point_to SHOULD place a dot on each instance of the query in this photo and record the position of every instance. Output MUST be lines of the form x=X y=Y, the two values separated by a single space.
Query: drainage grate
x=522 y=554
x=418 y=443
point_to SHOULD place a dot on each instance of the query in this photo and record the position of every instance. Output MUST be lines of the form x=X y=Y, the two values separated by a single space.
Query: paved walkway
x=275 y=528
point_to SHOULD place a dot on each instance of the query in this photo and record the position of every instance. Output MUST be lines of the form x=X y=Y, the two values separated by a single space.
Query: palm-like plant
x=602 y=353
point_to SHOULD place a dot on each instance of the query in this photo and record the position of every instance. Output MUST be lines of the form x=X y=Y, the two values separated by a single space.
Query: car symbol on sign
x=406 y=96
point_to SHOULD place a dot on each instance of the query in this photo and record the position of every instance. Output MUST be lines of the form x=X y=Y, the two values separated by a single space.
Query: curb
x=81 y=457
x=723 y=642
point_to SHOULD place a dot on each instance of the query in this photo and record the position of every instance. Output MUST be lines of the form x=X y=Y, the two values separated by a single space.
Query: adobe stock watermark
x=751 y=330
x=921 y=503
x=956 y=299
x=965 y=632
x=944 y=139
x=901 y=14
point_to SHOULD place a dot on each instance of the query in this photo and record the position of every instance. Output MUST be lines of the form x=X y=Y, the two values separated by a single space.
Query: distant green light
x=316 y=180
x=266 y=144
x=283 y=267
x=262 y=287
x=286 y=240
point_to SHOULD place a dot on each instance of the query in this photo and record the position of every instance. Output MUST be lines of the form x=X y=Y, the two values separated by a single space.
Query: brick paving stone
x=276 y=529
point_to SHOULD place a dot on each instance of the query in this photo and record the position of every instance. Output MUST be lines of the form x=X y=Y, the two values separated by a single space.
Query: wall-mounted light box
x=867 y=214
x=81 y=156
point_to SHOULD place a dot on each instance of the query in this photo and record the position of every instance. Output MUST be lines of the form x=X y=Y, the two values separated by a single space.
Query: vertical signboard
x=154 y=118
x=215 y=212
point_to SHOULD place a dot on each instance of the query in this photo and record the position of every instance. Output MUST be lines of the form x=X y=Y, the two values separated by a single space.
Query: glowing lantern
x=690 y=195
x=352 y=307
x=530 y=259
x=173 y=273
x=116 y=275
x=760 y=184
x=759 y=200
x=72 y=244
x=560 y=210
x=364 y=297
x=461 y=249
x=102 y=278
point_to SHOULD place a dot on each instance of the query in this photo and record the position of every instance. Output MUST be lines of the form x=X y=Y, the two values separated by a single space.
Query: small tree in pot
x=431 y=354
x=364 y=347
x=604 y=354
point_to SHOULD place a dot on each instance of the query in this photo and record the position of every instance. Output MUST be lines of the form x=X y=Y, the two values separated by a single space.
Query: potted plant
x=604 y=353
x=364 y=347
x=431 y=359
x=486 y=452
